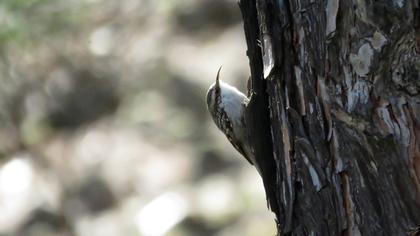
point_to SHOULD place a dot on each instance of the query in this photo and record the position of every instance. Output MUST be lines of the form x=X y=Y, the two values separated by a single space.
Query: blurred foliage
x=103 y=124
x=26 y=21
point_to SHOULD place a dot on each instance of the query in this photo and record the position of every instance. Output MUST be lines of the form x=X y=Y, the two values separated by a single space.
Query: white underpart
x=232 y=100
x=234 y=103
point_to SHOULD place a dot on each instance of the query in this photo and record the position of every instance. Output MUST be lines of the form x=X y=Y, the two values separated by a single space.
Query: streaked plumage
x=227 y=105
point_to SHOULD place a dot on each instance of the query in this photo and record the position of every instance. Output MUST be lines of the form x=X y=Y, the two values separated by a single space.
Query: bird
x=227 y=106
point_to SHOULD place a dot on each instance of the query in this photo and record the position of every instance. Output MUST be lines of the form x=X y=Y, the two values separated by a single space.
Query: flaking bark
x=336 y=110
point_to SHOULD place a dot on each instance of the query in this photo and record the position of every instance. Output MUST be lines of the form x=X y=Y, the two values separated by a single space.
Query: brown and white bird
x=227 y=105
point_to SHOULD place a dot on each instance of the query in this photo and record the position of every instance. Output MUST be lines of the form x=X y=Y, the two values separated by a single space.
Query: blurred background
x=104 y=129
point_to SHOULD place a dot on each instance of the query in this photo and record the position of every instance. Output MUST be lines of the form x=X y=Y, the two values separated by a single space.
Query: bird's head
x=214 y=94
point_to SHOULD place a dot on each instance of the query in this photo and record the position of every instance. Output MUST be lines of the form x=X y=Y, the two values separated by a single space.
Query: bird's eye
x=209 y=97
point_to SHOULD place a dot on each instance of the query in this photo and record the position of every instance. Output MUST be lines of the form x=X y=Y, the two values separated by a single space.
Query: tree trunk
x=335 y=113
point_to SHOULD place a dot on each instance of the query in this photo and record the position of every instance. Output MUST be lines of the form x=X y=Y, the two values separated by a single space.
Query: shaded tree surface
x=335 y=113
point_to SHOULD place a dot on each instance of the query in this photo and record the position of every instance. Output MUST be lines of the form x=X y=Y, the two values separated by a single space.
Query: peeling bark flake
x=378 y=41
x=362 y=60
x=385 y=124
x=352 y=228
x=325 y=98
x=331 y=11
x=268 y=56
x=299 y=84
x=338 y=161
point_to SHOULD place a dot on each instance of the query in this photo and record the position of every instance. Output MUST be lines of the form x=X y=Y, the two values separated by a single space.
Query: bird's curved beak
x=217 y=78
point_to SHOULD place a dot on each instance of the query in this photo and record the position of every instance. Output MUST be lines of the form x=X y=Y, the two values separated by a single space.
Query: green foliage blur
x=27 y=21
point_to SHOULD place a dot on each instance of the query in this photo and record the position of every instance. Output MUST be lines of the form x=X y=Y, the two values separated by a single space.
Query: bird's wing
x=230 y=136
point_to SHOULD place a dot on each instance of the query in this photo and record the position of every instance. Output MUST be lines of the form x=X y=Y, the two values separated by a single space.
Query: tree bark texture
x=335 y=113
